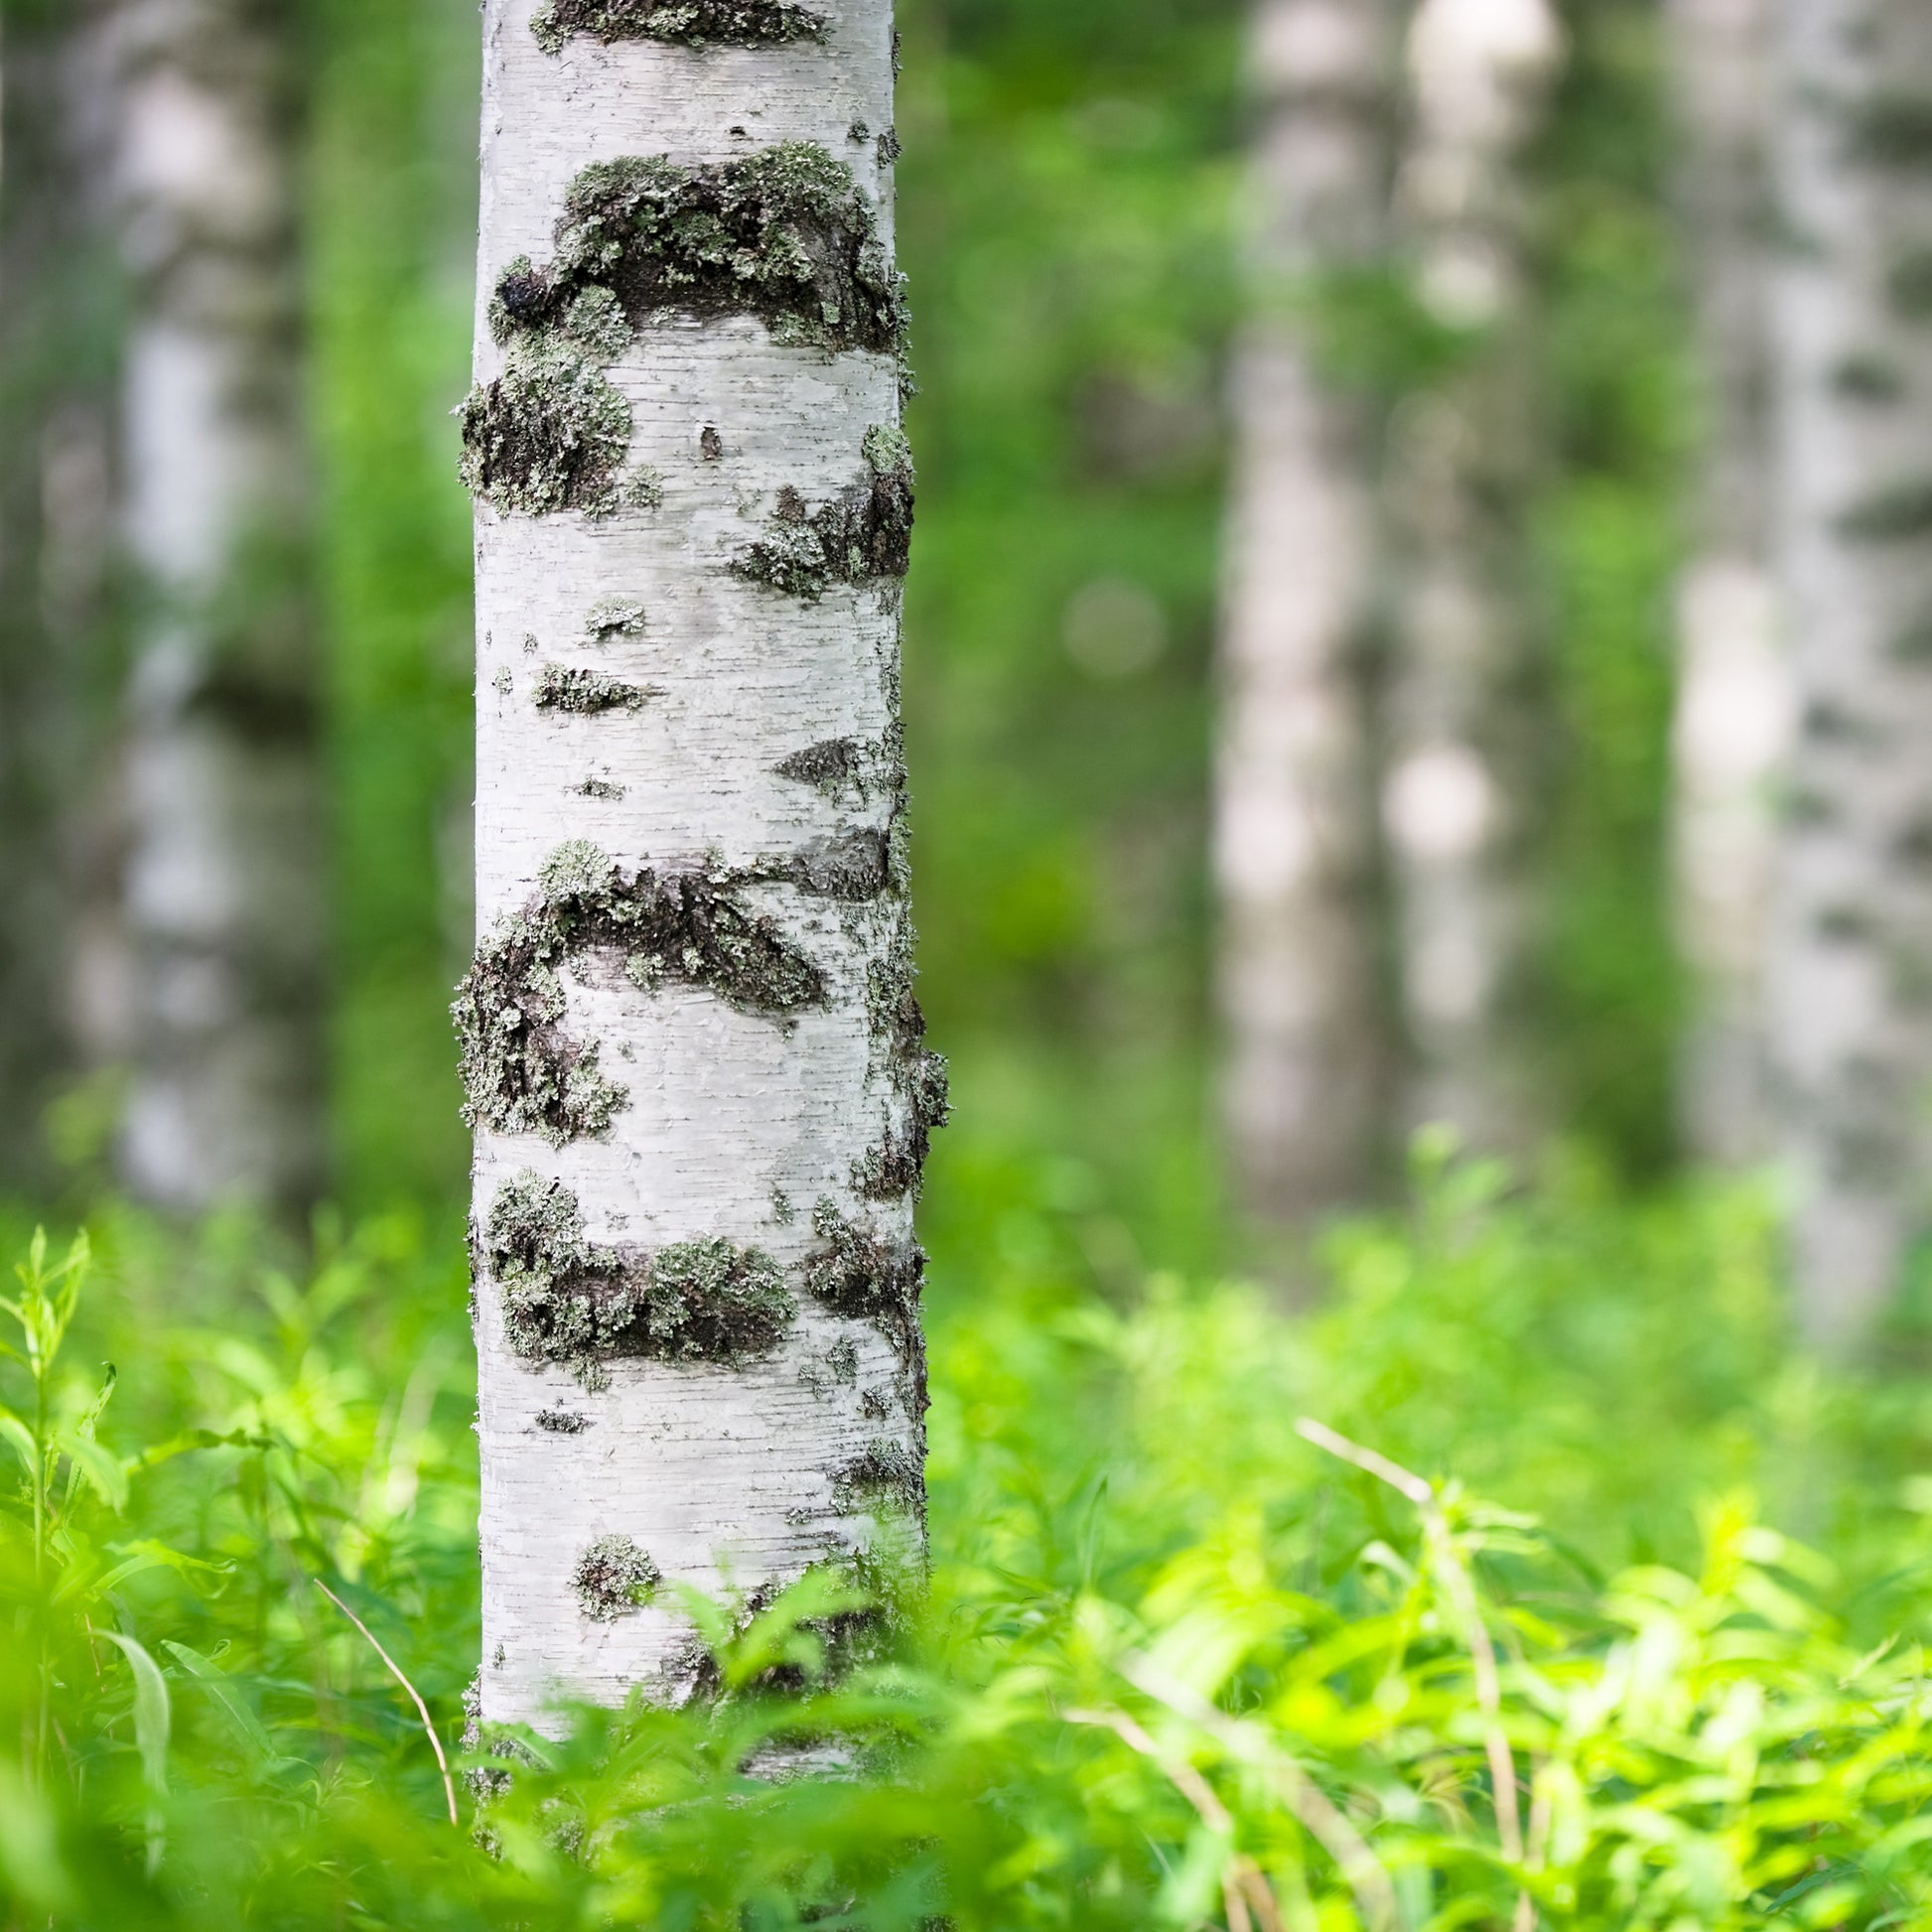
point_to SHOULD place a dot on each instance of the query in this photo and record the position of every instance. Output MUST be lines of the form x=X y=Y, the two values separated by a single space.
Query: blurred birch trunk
x=1850 y=979
x=57 y=348
x=223 y=891
x=1294 y=841
x=1460 y=708
x=1732 y=722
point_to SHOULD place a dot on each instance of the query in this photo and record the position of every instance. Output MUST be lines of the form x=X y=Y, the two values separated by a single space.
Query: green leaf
x=16 y=1432
x=151 y=1725
x=151 y=1716
x=105 y=1474
x=215 y=1682
x=140 y=1556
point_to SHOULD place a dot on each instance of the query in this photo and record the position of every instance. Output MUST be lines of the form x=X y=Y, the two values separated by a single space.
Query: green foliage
x=1617 y=399
x=1185 y=1658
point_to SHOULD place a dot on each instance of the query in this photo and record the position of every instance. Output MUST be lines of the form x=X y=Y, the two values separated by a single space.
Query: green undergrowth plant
x=1216 y=1635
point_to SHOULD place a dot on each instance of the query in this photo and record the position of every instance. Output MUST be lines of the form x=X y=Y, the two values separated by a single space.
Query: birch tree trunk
x=692 y=1052
x=1460 y=723
x=51 y=553
x=1293 y=830
x=224 y=885
x=1851 y=963
x=1732 y=723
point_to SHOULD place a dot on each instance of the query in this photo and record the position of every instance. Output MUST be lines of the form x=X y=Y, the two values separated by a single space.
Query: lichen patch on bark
x=521 y=1072
x=785 y=234
x=611 y=617
x=568 y=1301
x=853 y=864
x=613 y=1578
x=857 y=1273
x=562 y=687
x=549 y=434
x=919 y=1076
x=886 y=1475
x=833 y=768
x=862 y=534
x=689 y=23
x=858 y=1632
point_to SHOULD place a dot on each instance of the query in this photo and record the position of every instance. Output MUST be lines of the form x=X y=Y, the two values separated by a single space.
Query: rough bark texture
x=694 y=1057
x=223 y=881
x=1733 y=699
x=1851 y=993
x=1294 y=835
x=1461 y=725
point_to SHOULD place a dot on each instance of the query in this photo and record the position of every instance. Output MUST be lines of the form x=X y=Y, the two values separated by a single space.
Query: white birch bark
x=1851 y=983
x=223 y=885
x=1733 y=711
x=1458 y=724
x=1293 y=816
x=656 y=694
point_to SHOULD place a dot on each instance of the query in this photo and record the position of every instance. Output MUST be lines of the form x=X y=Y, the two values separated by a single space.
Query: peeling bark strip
x=694 y=23
x=1851 y=383
x=692 y=1003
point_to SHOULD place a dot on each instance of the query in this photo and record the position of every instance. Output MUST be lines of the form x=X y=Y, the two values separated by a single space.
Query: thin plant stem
x=396 y=1671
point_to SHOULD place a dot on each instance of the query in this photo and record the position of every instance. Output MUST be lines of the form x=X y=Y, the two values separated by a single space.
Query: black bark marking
x=1893 y=129
x=1897 y=514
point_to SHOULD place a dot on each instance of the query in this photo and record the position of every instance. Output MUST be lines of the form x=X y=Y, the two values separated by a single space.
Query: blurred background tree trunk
x=56 y=349
x=223 y=888
x=1850 y=991
x=1732 y=721
x=1298 y=964
x=1462 y=719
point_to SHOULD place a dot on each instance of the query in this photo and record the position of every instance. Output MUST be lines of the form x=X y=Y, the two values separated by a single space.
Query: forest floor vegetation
x=1533 y=1578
